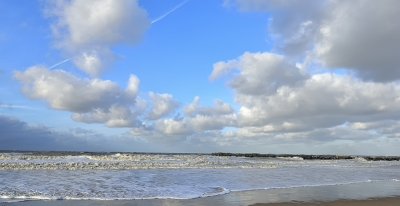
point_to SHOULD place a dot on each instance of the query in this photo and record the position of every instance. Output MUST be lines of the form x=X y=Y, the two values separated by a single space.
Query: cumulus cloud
x=105 y=102
x=163 y=105
x=94 y=62
x=91 y=100
x=285 y=100
x=219 y=108
x=279 y=100
x=196 y=120
x=114 y=116
x=133 y=86
x=189 y=126
x=88 y=29
x=260 y=73
x=172 y=127
x=64 y=91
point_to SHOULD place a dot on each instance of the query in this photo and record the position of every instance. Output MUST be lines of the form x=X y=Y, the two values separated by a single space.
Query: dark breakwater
x=311 y=157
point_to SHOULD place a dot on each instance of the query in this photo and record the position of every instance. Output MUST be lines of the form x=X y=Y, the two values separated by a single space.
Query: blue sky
x=235 y=75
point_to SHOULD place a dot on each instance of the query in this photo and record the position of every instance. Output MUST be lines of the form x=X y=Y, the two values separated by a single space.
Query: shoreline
x=388 y=201
x=368 y=194
x=381 y=201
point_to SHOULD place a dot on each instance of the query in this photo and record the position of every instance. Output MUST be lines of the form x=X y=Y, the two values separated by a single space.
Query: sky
x=265 y=76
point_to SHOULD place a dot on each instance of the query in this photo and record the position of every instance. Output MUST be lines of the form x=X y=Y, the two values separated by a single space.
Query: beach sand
x=385 y=193
x=394 y=201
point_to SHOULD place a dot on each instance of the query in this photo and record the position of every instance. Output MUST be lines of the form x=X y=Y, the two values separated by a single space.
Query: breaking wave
x=27 y=161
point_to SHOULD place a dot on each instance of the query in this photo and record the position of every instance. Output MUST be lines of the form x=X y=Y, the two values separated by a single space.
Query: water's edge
x=325 y=193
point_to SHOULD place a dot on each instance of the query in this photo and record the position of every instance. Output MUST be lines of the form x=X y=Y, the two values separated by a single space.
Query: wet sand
x=394 y=201
x=385 y=193
x=390 y=201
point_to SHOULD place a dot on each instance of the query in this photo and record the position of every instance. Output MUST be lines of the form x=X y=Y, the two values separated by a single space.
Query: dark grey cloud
x=363 y=36
x=18 y=135
x=358 y=35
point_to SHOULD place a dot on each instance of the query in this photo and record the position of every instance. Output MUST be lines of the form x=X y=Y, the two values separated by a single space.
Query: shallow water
x=26 y=176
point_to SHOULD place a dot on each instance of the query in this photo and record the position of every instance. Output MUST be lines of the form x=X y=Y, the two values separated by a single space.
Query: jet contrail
x=59 y=63
x=169 y=12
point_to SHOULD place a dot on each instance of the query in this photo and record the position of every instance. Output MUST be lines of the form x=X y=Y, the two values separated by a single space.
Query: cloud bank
x=294 y=101
x=18 y=135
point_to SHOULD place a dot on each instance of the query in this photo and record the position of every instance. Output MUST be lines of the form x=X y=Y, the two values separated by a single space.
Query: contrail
x=170 y=11
x=59 y=63
x=12 y=106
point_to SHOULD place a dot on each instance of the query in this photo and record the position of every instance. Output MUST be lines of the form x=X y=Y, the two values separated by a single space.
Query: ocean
x=131 y=176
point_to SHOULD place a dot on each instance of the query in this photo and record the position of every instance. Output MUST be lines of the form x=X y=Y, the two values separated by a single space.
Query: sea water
x=126 y=176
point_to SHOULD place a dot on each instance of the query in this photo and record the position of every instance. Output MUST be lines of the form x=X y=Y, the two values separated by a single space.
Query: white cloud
x=282 y=102
x=196 y=125
x=162 y=105
x=114 y=116
x=66 y=92
x=282 y=99
x=104 y=102
x=261 y=73
x=94 y=62
x=196 y=121
x=219 y=108
x=88 y=29
x=98 y=22
x=173 y=127
x=222 y=68
x=91 y=100
x=201 y=123
x=133 y=86
x=359 y=36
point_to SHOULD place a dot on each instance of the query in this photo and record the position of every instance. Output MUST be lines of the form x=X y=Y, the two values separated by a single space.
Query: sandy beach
x=372 y=202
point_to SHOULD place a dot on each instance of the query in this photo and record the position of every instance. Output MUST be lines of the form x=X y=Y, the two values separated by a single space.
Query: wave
x=17 y=194
x=132 y=161
x=120 y=161
x=294 y=158
x=213 y=191
x=360 y=159
x=217 y=191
